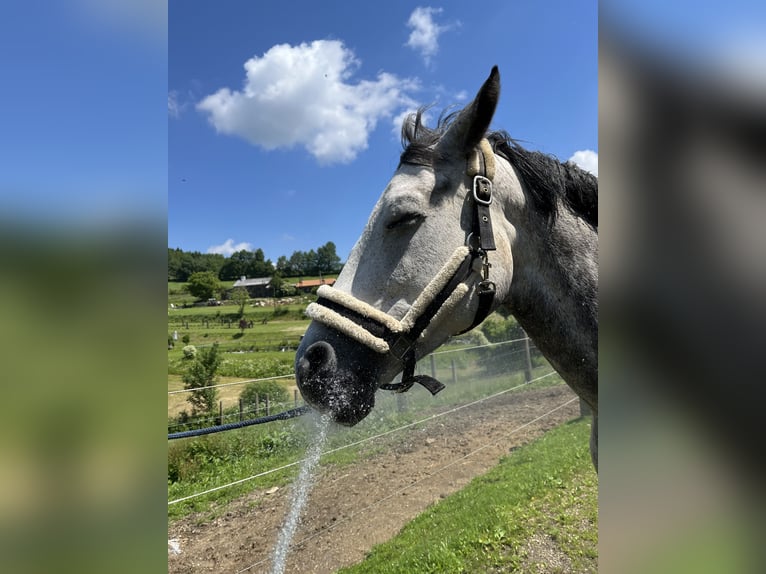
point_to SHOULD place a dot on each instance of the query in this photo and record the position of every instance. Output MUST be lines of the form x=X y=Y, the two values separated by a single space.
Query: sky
x=284 y=117
x=84 y=139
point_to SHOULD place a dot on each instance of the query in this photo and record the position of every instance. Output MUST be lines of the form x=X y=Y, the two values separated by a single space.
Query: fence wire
x=473 y=375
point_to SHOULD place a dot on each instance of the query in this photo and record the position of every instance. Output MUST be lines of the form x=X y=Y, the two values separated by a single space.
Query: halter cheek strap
x=383 y=333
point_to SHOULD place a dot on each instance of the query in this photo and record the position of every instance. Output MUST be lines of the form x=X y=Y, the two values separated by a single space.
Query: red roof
x=314 y=283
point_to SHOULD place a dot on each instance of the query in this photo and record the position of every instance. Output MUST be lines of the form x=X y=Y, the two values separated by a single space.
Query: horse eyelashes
x=406 y=220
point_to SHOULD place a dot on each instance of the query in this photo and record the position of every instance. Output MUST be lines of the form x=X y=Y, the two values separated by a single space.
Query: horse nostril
x=319 y=357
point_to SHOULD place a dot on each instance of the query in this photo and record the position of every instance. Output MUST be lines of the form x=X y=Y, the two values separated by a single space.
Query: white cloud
x=174 y=108
x=228 y=247
x=461 y=96
x=587 y=159
x=424 y=37
x=302 y=95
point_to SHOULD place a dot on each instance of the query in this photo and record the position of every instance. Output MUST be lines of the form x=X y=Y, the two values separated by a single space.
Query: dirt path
x=354 y=507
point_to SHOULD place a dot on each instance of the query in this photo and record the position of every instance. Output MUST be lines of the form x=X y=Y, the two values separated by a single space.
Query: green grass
x=198 y=464
x=195 y=465
x=546 y=490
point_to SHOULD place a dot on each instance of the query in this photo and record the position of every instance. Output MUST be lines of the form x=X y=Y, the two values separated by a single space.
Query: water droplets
x=300 y=493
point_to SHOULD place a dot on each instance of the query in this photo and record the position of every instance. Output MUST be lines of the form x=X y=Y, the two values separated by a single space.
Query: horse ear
x=472 y=123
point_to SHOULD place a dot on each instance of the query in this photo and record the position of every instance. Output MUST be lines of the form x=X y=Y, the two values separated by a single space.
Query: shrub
x=190 y=351
x=199 y=377
x=276 y=393
x=259 y=368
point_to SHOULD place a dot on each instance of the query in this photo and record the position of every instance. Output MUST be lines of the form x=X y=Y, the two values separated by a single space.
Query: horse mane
x=547 y=180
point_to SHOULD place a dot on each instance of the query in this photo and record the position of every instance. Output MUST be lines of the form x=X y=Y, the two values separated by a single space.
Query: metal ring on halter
x=487 y=187
x=477 y=242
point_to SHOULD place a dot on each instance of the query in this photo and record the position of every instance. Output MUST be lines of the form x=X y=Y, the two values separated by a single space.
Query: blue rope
x=292 y=413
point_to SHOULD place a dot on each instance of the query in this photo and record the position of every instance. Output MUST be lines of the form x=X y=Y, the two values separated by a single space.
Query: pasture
x=265 y=348
x=365 y=494
x=376 y=477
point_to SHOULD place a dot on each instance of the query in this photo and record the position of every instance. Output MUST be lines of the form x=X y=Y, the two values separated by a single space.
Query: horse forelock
x=419 y=141
x=548 y=181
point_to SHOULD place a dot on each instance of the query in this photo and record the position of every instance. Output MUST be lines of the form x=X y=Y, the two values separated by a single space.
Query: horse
x=469 y=222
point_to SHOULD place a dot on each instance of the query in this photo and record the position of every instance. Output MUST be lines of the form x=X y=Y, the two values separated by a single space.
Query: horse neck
x=554 y=296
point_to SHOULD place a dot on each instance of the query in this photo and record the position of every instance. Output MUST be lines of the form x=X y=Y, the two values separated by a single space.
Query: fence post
x=454 y=371
x=240 y=409
x=268 y=406
x=528 y=364
x=257 y=405
x=295 y=397
x=220 y=412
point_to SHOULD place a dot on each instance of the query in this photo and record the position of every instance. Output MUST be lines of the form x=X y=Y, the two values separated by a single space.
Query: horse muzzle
x=337 y=377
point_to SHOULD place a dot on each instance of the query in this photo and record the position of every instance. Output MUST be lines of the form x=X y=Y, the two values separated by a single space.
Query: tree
x=199 y=374
x=311 y=263
x=283 y=266
x=327 y=259
x=237 y=265
x=298 y=264
x=240 y=296
x=204 y=284
x=260 y=266
x=182 y=264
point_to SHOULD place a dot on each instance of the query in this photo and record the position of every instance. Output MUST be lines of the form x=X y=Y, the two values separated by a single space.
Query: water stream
x=301 y=488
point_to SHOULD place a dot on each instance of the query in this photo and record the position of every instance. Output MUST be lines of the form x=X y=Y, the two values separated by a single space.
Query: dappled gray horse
x=470 y=221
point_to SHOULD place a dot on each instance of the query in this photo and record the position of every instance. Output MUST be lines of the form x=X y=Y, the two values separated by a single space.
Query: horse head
x=433 y=260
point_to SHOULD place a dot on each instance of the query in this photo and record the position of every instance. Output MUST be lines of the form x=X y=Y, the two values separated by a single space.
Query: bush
x=259 y=368
x=200 y=376
x=276 y=393
x=190 y=351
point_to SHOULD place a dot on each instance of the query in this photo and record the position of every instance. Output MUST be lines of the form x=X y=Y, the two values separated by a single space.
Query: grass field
x=195 y=465
x=537 y=509
x=266 y=349
x=497 y=524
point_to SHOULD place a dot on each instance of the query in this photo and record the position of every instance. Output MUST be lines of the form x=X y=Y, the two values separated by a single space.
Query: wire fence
x=447 y=364
x=473 y=374
x=368 y=439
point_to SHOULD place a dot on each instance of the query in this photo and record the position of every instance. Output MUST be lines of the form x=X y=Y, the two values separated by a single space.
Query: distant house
x=310 y=284
x=258 y=287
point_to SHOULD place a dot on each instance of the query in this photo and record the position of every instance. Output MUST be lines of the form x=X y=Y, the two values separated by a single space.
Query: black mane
x=546 y=179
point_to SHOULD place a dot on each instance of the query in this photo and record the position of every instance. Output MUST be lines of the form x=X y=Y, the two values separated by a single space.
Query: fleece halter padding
x=483 y=154
x=362 y=334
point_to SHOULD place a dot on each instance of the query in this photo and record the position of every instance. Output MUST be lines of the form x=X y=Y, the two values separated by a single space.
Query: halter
x=385 y=334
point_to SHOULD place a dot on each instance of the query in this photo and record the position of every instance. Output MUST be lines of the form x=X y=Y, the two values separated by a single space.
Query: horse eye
x=406 y=219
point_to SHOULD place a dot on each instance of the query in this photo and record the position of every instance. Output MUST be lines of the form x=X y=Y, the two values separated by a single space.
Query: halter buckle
x=401 y=346
x=482 y=186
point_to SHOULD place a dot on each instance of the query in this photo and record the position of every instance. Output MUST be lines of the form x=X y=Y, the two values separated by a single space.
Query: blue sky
x=84 y=138
x=294 y=151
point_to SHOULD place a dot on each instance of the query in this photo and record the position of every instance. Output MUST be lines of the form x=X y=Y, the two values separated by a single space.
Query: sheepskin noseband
x=372 y=327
